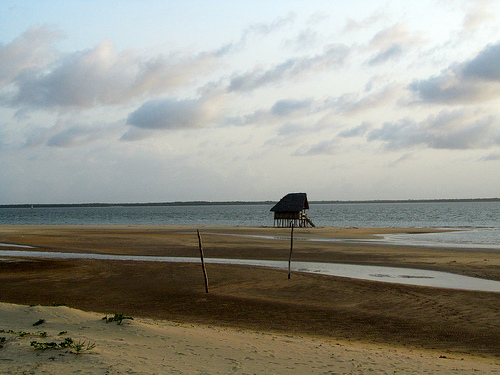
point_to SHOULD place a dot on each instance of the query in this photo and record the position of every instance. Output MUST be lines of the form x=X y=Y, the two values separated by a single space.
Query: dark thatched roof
x=292 y=202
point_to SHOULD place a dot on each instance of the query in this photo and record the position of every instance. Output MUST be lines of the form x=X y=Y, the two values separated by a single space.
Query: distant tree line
x=233 y=203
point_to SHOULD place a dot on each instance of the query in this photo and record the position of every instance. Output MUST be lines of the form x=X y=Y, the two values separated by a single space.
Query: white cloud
x=387 y=37
x=485 y=66
x=73 y=136
x=324 y=147
x=260 y=29
x=70 y=132
x=99 y=76
x=282 y=110
x=305 y=39
x=473 y=81
x=287 y=107
x=392 y=52
x=357 y=131
x=30 y=50
x=351 y=103
x=354 y=25
x=448 y=130
x=478 y=13
x=491 y=157
x=175 y=114
x=391 y=43
x=392 y=87
x=333 y=56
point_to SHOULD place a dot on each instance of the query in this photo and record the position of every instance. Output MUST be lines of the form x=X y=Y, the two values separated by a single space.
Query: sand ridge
x=145 y=346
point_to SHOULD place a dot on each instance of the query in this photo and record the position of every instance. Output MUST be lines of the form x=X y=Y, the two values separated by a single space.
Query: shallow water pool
x=397 y=275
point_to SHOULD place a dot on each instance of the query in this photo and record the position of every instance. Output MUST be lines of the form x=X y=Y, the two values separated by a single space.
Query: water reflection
x=478 y=238
x=14 y=245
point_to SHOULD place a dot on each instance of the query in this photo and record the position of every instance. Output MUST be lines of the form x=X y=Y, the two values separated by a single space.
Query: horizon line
x=240 y=202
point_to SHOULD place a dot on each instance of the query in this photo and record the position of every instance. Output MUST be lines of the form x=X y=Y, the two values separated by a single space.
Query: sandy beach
x=254 y=320
x=145 y=346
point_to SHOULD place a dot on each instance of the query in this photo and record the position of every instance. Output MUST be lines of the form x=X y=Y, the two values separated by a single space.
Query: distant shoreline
x=234 y=203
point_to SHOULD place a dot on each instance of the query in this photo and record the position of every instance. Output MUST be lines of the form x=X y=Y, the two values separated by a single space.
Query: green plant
x=118 y=318
x=44 y=345
x=68 y=343
x=2 y=341
x=80 y=346
x=19 y=333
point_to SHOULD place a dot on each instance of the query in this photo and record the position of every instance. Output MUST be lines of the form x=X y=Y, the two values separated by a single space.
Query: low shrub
x=76 y=347
x=118 y=318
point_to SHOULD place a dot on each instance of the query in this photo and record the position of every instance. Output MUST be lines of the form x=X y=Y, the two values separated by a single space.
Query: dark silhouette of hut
x=290 y=210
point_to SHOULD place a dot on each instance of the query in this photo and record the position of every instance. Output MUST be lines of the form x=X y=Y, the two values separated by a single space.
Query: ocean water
x=479 y=222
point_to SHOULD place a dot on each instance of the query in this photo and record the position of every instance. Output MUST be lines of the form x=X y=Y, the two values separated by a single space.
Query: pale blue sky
x=146 y=101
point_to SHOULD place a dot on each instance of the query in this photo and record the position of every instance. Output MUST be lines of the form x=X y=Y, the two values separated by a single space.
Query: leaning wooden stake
x=202 y=261
x=290 y=256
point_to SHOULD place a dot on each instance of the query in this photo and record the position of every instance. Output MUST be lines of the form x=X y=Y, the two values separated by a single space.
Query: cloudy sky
x=147 y=101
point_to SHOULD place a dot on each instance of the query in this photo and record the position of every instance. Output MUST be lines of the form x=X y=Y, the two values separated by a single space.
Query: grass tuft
x=76 y=347
x=118 y=318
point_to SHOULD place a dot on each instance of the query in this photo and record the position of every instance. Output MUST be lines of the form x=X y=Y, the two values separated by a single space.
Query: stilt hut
x=290 y=210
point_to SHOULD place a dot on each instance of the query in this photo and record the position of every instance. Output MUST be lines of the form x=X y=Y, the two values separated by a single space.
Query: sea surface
x=478 y=222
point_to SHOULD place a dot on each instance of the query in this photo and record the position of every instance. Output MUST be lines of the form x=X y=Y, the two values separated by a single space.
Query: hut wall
x=287 y=215
x=287 y=219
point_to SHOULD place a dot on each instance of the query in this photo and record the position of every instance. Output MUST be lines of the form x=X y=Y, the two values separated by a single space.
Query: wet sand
x=445 y=322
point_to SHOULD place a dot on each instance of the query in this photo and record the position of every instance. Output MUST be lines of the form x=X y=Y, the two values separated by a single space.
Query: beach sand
x=145 y=346
x=254 y=320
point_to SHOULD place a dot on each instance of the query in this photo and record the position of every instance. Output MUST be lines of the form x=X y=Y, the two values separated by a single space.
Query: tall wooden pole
x=290 y=256
x=202 y=261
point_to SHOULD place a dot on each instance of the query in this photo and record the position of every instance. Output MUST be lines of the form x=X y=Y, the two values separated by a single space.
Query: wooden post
x=202 y=261
x=290 y=256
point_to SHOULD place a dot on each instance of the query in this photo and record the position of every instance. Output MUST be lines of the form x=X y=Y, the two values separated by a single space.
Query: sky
x=160 y=101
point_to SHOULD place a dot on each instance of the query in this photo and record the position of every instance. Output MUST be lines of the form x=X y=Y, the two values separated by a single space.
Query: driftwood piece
x=202 y=261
